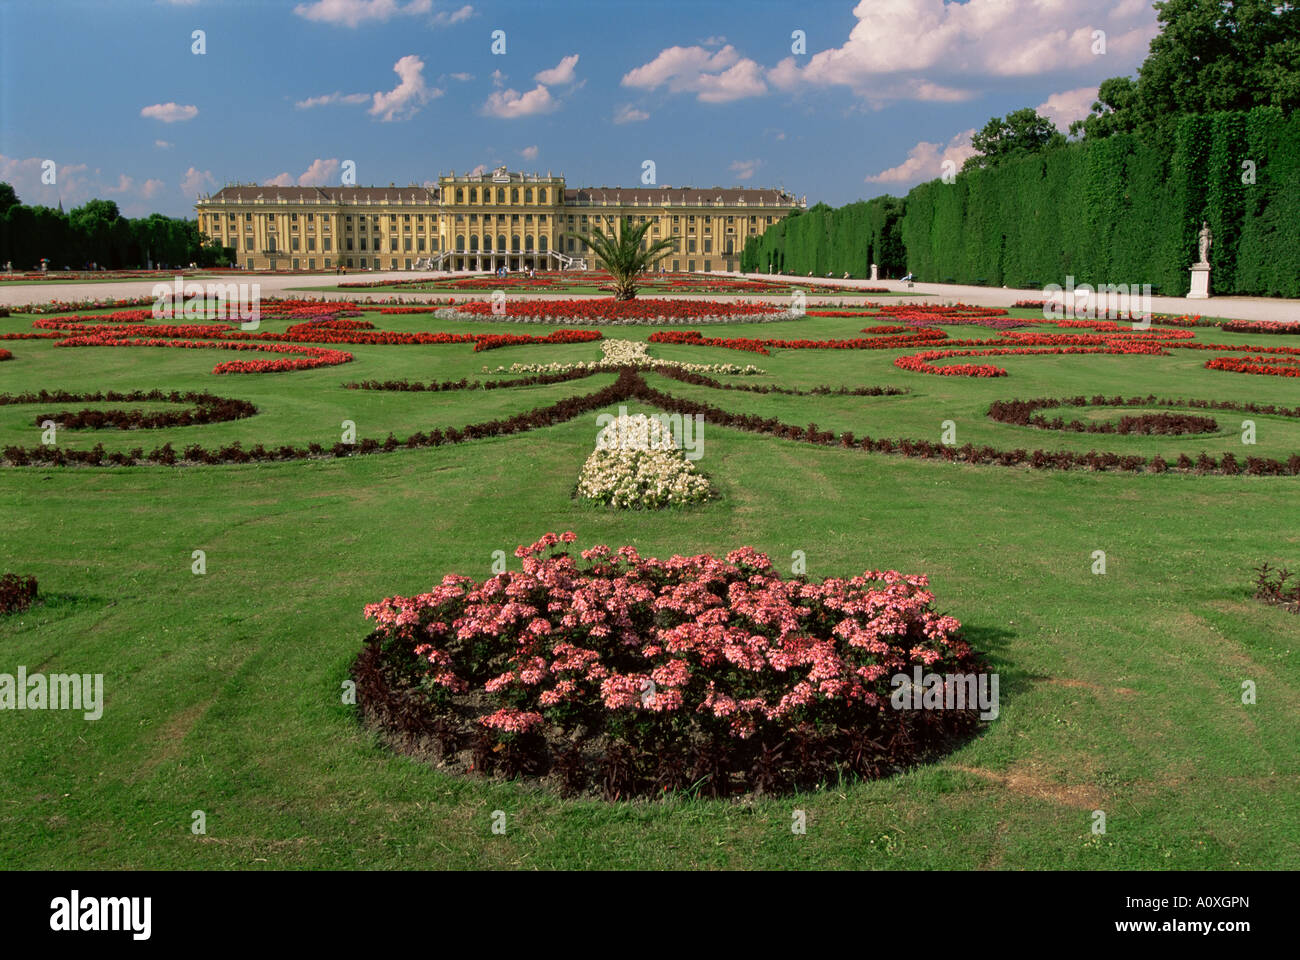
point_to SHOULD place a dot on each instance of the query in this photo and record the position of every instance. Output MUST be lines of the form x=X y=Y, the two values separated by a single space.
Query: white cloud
x=194 y=181
x=498 y=78
x=925 y=161
x=332 y=98
x=478 y=171
x=170 y=112
x=529 y=153
x=350 y=13
x=713 y=41
x=629 y=114
x=745 y=169
x=163 y=144
x=1066 y=107
x=76 y=183
x=560 y=74
x=444 y=18
x=714 y=77
x=462 y=77
x=405 y=99
x=318 y=174
x=509 y=104
x=935 y=42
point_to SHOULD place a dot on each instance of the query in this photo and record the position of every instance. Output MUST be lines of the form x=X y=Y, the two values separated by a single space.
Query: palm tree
x=624 y=255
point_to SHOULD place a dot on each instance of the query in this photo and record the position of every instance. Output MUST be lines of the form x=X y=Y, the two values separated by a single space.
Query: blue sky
x=714 y=92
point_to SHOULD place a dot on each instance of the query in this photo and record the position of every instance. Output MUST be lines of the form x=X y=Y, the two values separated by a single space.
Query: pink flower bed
x=674 y=665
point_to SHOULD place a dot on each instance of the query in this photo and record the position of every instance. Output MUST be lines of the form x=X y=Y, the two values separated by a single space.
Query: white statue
x=1206 y=238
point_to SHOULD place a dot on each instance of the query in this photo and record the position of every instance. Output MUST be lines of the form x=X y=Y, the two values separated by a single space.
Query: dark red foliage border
x=208 y=408
x=17 y=593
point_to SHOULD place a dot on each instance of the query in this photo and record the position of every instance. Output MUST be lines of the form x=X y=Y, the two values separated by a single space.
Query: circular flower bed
x=627 y=676
x=208 y=408
x=1024 y=413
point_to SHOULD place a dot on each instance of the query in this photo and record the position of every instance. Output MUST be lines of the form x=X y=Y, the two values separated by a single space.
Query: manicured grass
x=1119 y=692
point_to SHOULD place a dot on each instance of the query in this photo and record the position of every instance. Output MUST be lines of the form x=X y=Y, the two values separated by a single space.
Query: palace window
x=473 y=194
x=514 y=243
x=325 y=244
x=501 y=242
x=529 y=243
x=708 y=246
x=541 y=244
x=501 y=194
x=528 y=195
x=541 y=195
x=460 y=195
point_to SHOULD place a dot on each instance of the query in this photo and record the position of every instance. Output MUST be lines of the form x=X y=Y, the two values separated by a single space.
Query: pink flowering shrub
x=658 y=674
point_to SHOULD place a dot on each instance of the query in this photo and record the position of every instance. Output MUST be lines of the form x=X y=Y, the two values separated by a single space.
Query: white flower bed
x=628 y=353
x=636 y=463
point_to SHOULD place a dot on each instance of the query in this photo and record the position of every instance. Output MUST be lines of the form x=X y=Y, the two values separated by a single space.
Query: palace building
x=479 y=222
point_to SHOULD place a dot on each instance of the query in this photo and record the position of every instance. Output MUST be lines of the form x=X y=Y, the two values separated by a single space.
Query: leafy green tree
x=626 y=254
x=1019 y=133
x=1209 y=55
x=8 y=198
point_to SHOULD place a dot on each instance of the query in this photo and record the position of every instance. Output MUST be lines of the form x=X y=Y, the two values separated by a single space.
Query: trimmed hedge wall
x=846 y=240
x=1124 y=209
x=1121 y=209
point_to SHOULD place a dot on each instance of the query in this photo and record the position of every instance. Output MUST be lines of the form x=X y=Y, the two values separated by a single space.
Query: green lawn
x=1120 y=692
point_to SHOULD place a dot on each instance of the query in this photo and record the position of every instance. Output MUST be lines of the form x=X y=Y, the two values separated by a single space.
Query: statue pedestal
x=1200 y=282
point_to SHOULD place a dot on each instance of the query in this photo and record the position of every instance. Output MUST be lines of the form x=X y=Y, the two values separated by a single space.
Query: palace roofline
x=581 y=196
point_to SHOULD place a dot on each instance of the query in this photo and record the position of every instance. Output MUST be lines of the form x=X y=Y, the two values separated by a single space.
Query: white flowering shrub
x=637 y=463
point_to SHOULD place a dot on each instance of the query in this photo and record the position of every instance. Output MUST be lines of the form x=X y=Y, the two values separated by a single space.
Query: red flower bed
x=1264 y=366
x=640 y=310
x=658 y=674
x=329 y=323
x=695 y=338
x=1261 y=326
x=6 y=355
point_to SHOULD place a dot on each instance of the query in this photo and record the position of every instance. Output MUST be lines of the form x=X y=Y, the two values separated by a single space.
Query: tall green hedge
x=823 y=240
x=1124 y=209
x=1120 y=209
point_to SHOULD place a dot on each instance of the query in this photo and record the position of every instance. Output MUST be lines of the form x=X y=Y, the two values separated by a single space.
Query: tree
x=8 y=198
x=626 y=254
x=1209 y=55
x=1019 y=133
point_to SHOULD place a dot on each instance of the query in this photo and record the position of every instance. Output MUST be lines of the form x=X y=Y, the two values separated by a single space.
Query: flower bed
x=629 y=676
x=1024 y=413
x=627 y=353
x=1261 y=326
x=641 y=311
x=17 y=593
x=638 y=465
x=1264 y=366
x=6 y=355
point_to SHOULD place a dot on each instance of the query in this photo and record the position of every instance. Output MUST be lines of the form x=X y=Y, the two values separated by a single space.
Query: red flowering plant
x=654 y=674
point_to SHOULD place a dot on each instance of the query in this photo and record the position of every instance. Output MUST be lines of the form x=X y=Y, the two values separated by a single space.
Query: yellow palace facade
x=479 y=222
